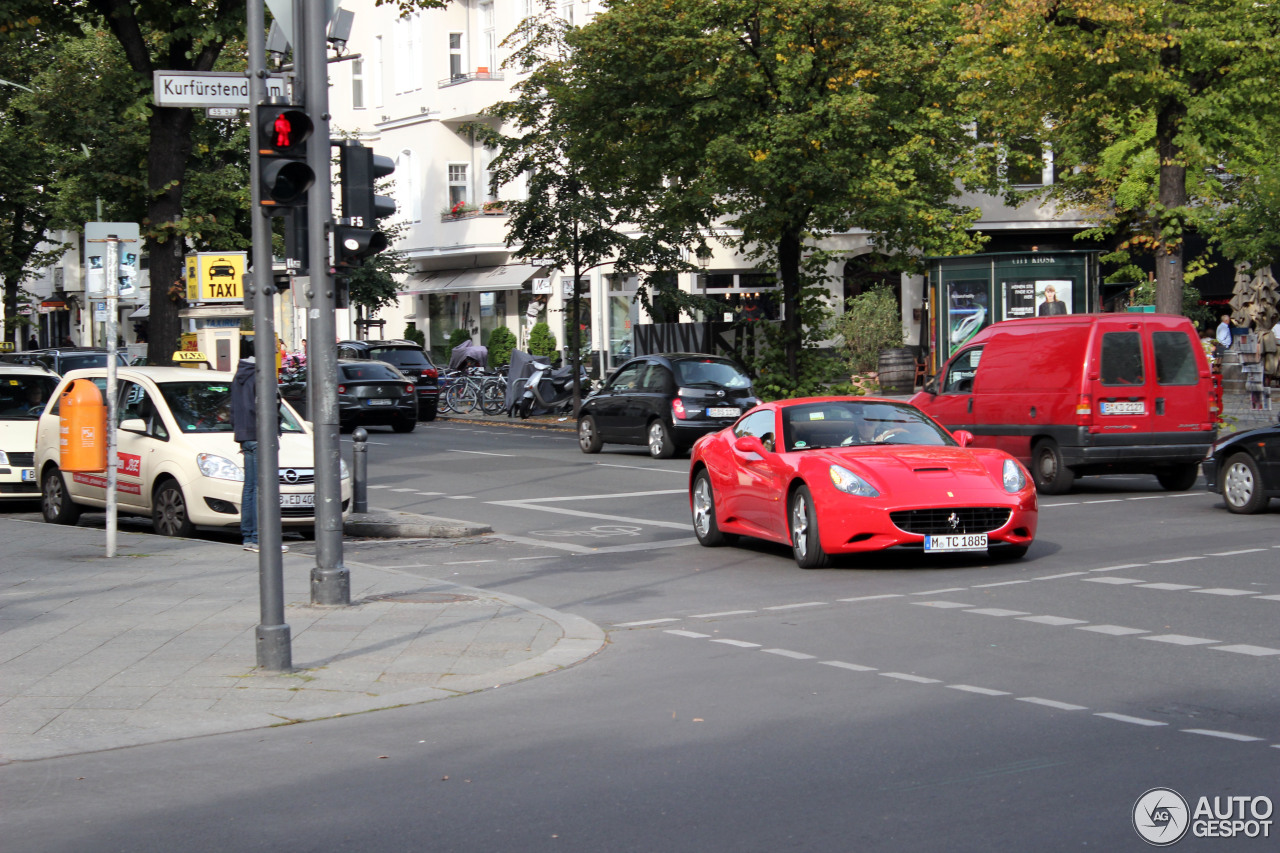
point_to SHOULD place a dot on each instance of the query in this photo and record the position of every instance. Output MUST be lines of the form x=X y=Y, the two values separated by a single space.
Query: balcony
x=463 y=96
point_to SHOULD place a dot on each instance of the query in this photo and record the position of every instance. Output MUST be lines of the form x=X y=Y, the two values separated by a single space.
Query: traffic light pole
x=330 y=581
x=274 y=640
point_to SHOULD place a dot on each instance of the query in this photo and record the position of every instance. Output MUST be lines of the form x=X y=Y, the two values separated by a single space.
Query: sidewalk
x=158 y=642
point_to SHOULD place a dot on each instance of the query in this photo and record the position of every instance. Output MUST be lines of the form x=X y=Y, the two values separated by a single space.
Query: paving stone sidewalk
x=158 y=642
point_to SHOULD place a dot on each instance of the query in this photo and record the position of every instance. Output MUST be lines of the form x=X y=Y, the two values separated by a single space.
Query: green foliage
x=413 y=333
x=1199 y=315
x=871 y=321
x=458 y=337
x=542 y=342
x=501 y=342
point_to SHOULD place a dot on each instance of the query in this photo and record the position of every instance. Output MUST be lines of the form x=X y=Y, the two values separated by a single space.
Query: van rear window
x=1122 y=359
x=1175 y=359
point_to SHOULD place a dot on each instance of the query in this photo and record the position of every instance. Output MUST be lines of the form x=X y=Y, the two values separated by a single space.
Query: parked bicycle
x=463 y=391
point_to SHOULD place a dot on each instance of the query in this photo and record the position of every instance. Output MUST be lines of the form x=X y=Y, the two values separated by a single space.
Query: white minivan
x=24 y=391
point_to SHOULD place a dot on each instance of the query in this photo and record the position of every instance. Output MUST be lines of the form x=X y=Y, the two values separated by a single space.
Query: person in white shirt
x=1224 y=332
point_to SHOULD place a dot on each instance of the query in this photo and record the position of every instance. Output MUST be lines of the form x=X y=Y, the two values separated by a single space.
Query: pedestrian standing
x=1223 y=335
x=33 y=342
x=244 y=424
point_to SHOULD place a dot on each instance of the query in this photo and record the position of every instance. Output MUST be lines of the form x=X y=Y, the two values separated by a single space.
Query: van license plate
x=379 y=402
x=724 y=412
x=298 y=500
x=1125 y=407
x=956 y=542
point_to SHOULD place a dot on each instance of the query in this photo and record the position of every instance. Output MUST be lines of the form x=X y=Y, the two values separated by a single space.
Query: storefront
x=966 y=294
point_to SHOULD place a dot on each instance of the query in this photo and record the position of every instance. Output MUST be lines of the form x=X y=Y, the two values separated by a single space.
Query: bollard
x=360 y=474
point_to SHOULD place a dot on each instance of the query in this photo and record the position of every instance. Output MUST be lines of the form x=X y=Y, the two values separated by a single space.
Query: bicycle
x=472 y=388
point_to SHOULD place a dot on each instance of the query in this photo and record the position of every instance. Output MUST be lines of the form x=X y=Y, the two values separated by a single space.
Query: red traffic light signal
x=283 y=174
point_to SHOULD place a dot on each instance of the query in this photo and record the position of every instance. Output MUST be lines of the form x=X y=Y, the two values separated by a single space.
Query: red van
x=1083 y=394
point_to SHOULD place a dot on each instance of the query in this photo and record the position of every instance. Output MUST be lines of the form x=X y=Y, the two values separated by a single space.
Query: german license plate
x=956 y=542
x=298 y=500
x=724 y=412
x=28 y=475
x=1124 y=407
x=379 y=402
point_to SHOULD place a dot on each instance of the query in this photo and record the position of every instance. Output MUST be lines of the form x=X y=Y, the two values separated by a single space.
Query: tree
x=372 y=285
x=1154 y=111
x=783 y=120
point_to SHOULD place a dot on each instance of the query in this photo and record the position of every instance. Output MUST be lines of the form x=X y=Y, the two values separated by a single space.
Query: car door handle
x=970 y=408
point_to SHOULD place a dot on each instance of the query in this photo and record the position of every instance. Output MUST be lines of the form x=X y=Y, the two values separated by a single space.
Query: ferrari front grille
x=965 y=519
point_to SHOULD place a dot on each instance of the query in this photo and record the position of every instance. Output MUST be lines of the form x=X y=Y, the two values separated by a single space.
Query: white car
x=24 y=391
x=178 y=459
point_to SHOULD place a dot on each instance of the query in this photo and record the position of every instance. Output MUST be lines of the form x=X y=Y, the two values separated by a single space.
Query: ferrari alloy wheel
x=55 y=501
x=589 y=435
x=169 y=511
x=660 y=444
x=805 y=543
x=704 y=513
x=1242 y=485
x=1052 y=476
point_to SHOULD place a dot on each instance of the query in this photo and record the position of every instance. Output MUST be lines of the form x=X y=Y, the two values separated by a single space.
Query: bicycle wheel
x=462 y=397
x=442 y=398
x=493 y=397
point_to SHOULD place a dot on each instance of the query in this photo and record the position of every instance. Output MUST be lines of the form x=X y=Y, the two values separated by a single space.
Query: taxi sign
x=190 y=358
x=215 y=277
x=6 y=346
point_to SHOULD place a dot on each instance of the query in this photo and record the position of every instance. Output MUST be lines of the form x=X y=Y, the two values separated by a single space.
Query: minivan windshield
x=206 y=407
x=23 y=398
x=400 y=357
x=710 y=372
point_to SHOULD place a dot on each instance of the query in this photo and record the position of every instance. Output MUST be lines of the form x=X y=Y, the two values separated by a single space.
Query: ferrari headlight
x=851 y=484
x=1014 y=479
x=219 y=467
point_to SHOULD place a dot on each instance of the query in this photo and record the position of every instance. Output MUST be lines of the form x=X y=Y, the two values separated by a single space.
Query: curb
x=393 y=524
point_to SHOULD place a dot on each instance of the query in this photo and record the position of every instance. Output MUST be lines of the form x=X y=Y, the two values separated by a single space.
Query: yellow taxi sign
x=190 y=358
x=6 y=346
x=216 y=276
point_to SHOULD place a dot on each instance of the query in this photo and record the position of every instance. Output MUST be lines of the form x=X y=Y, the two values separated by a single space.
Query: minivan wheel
x=169 y=511
x=1241 y=485
x=588 y=435
x=1051 y=475
x=55 y=501
x=1179 y=478
x=660 y=444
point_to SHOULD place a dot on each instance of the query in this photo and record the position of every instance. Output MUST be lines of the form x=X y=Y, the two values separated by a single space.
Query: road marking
x=1050 y=703
x=839 y=664
x=478 y=452
x=1234 y=553
x=1000 y=583
x=1147 y=498
x=942 y=605
x=1244 y=649
x=1180 y=640
x=644 y=468
x=1125 y=718
x=1177 y=560
x=872 y=597
x=940 y=591
x=377 y=487
x=1268 y=597
x=1225 y=735
x=693 y=635
x=1113 y=580
x=1223 y=591
x=644 y=622
x=404 y=490
x=1064 y=503
x=1113 y=630
x=469 y=562
x=1053 y=620
x=1118 y=568
x=1063 y=575
x=786 y=653
x=460 y=497
x=996 y=611
x=722 y=613
x=523 y=501
x=1171 y=587
x=428 y=494
x=918 y=679
x=794 y=606
x=985 y=691
x=739 y=643
x=675 y=525
x=1106 y=501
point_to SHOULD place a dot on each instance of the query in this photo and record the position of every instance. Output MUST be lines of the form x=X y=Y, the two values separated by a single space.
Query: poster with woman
x=1053 y=298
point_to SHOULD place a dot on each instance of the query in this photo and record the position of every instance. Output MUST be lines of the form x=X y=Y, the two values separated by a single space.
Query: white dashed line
x=739 y=643
x=1234 y=553
x=985 y=691
x=1223 y=591
x=1053 y=620
x=722 y=613
x=1063 y=575
x=1180 y=640
x=942 y=605
x=872 y=597
x=1050 y=703
x=1171 y=587
x=461 y=497
x=905 y=676
x=1177 y=560
x=1146 y=498
x=645 y=622
x=1268 y=597
x=996 y=611
x=787 y=654
x=1111 y=580
x=839 y=664
x=1001 y=583
x=693 y=635
x=1244 y=649
x=1106 y=501
x=1125 y=718
x=795 y=606
x=940 y=591
x=377 y=487
x=1064 y=503
x=404 y=490
x=1224 y=735
x=1118 y=568
x=469 y=562
x=1113 y=630
x=429 y=494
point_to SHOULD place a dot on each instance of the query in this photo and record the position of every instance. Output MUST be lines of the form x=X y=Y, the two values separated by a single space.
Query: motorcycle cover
x=467 y=350
x=518 y=373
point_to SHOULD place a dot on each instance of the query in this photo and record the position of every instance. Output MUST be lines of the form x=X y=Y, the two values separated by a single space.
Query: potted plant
x=870 y=339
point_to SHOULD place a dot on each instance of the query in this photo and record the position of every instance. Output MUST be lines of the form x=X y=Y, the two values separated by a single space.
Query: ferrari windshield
x=855 y=423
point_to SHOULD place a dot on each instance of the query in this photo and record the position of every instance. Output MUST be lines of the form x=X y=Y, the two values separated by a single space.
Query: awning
x=142 y=313
x=506 y=277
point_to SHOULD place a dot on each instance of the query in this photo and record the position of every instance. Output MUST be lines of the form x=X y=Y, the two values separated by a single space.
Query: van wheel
x=169 y=511
x=1179 y=478
x=1241 y=485
x=55 y=501
x=1052 y=477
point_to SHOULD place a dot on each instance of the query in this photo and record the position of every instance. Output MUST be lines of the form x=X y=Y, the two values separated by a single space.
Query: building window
x=459 y=186
x=408 y=58
x=490 y=33
x=406 y=193
x=357 y=84
x=566 y=11
x=455 y=55
x=375 y=73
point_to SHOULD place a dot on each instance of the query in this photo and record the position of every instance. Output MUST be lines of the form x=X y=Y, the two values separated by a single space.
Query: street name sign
x=207 y=88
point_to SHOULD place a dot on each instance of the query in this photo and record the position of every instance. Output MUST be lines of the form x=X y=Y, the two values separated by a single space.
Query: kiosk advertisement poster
x=968 y=309
x=1053 y=297
x=1019 y=299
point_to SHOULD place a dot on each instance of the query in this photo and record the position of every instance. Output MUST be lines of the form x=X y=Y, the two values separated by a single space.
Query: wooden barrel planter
x=897 y=370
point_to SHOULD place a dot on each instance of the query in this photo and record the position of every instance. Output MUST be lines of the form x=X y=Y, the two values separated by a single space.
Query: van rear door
x=1123 y=391
x=1183 y=383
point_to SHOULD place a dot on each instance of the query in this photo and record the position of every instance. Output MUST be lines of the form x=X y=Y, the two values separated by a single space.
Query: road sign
x=207 y=88
x=215 y=277
x=222 y=112
x=95 y=236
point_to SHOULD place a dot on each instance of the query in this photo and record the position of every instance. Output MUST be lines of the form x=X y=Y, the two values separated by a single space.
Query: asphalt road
x=889 y=703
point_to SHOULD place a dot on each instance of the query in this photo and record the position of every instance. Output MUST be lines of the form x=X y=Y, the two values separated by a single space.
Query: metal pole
x=360 y=470
x=274 y=639
x=330 y=582
x=113 y=299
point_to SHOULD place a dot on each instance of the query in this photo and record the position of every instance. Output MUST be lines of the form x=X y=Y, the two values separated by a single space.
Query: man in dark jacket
x=244 y=423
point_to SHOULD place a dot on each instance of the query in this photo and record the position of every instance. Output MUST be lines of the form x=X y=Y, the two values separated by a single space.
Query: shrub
x=413 y=333
x=871 y=322
x=457 y=337
x=501 y=342
x=542 y=342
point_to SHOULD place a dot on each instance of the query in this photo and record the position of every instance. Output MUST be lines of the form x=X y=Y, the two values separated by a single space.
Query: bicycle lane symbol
x=600 y=531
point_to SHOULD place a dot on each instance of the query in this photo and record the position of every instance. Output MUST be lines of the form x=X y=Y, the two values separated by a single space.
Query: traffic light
x=358 y=237
x=284 y=176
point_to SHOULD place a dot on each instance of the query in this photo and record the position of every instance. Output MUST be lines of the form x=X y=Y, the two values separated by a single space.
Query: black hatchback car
x=1245 y=469
x=370 y=393
x=410 y=360
x=667 y=401
x=61 y=360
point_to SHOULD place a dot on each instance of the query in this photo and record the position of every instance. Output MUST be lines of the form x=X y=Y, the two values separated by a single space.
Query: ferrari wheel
x=589 y=435
x=660 y=444
x=1052 y=476
x=805 y=543
x=1242 y=485
x=704 y=513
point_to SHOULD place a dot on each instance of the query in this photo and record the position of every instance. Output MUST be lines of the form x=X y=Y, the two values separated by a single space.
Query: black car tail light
x=342 y=389
x=677 y=409
x=408 y=389
x=431 y=373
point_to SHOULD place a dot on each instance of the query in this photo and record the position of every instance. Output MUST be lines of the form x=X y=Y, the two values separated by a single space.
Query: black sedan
x=370 y=393
x=1245 y=469
x=665 y=401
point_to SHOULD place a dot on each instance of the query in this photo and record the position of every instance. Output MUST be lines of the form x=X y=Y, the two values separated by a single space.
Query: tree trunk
x=789 y=272
x=1173 y=197
x=170 y=132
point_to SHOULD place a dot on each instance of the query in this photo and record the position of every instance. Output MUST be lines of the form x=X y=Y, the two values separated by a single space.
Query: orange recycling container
x=82 y=431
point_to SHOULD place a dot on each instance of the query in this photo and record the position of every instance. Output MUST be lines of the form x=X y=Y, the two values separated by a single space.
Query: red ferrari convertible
x=842 y=475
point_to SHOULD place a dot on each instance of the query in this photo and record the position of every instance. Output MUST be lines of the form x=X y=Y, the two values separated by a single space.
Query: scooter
x=548 y=389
